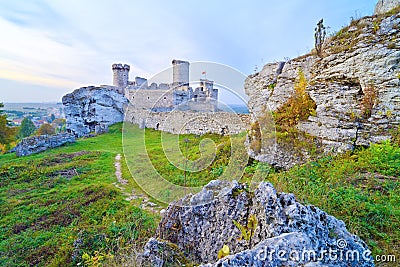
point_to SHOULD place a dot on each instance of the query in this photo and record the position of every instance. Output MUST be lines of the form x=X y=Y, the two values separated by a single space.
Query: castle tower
x=207 y=87
x=120 y=75
x=180 y=74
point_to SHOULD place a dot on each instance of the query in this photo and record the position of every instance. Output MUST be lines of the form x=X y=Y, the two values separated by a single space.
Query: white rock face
x=384 y=6
x=199 y=226
x=93 y=109
x=363 y=57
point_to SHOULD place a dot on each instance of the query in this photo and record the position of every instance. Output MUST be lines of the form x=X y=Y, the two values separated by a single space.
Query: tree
x=7 y=134
x=319 y=35
x=59 y=125
x=298 y=107
x=27 y=128
x=45 y=128
x=5 y=131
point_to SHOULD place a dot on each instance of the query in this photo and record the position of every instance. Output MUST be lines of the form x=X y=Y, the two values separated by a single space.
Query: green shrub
x=255 y=137
x=369 y=101
x=298 y=107
x=362 y=189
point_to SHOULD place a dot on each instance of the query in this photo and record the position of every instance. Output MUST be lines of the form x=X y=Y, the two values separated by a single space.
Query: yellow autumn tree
x=45 y=128
x=298 y=107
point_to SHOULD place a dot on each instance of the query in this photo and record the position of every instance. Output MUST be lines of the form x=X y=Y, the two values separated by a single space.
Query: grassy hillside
x=157 y=160
x=61 y=208
x=362 y=189
x=65 y=206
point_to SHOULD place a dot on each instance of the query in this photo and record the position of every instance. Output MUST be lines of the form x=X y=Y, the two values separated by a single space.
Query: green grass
x=362 y=189
x=60 y=207
x=158 y=161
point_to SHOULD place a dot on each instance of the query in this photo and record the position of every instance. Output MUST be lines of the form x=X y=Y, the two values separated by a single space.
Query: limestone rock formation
x=93 y=109
x=356 y=87
x=36 y=144
x=196 y=227
x=384 y=6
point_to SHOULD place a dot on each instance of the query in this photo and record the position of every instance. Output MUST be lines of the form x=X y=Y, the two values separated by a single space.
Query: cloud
x=66 y=44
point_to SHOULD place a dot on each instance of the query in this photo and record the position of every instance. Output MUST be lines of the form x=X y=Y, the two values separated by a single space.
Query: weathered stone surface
x=384 y=6
x=36 y=144
x=363 y=57
x=185 y=122
x=281 y=156
x=196 y=227
x=93 y=109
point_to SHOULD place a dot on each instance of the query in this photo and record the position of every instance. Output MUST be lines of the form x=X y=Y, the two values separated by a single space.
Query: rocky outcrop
x=93 y=109
x=285 y=232
x=384 y=6
x=36 y=144
x=356 y=87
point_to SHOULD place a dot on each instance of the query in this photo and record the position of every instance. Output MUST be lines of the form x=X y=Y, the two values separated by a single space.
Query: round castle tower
x=180 y=73
x=120 y=75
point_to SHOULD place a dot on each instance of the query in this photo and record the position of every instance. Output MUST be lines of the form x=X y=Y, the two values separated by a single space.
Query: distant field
x=38 y=110
x=30 y=106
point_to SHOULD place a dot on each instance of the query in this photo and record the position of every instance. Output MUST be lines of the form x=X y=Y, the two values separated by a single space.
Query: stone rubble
x=36 y=144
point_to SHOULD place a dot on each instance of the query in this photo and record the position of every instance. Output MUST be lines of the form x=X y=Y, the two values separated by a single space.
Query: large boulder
x=286 y=233
x=93 y=109
x=384 y=6
x=355 y=86
x=36 y=144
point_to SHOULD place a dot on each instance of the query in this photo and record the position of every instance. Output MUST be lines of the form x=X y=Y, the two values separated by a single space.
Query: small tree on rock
x=319 y=35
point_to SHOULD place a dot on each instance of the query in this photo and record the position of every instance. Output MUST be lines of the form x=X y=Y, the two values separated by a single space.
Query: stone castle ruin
x=165 y=96
x=176 y=107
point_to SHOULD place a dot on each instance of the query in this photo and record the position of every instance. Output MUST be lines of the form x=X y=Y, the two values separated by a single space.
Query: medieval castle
x=165 y=97
x=174 y=107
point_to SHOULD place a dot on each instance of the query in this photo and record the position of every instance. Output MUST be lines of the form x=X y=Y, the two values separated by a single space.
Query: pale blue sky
x=50 y=47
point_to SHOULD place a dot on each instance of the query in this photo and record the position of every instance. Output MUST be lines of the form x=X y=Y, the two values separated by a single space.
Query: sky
x=50 y=47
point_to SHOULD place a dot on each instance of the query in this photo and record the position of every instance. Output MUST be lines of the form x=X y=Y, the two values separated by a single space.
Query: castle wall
x=150 y=99
x=139 y=81
x=184 y=122
x=182 y=96
x=214 y=93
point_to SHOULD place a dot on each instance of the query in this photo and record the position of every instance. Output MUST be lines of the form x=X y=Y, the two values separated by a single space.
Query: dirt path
x=118 y=172
x=146 y=203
